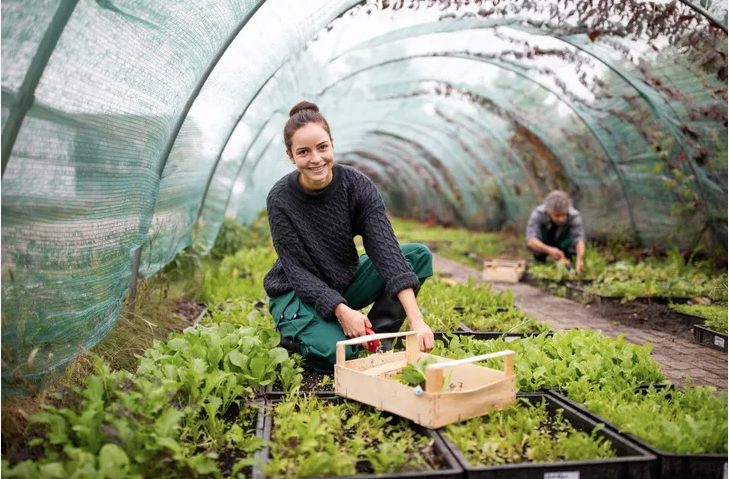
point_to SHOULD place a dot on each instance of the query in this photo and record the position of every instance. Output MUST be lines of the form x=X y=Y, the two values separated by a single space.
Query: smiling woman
x=315 y=212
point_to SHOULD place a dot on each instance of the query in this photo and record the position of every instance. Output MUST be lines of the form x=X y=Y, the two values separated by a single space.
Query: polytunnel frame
x=688 y=3
x=587 y=124
x=466 y=148
x=507 y=115
x=47 y=46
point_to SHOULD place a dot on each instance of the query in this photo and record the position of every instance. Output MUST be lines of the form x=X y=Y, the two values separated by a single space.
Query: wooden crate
x=503 y=270
x=368 y=380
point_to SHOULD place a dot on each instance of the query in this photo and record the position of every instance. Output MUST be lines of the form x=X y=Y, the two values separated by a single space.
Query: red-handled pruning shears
x=374 y=345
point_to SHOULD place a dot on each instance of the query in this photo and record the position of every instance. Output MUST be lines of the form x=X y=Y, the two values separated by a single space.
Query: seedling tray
x=707 y=337
x=577 y=292
x=452 y=467
x=633 y=461
x=461 y=309
x=273 y=391
x=368 y=380
x=669 y=465
x=689 y=318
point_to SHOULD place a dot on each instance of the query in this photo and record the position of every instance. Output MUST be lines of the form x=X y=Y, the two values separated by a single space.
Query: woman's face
x=312 y=152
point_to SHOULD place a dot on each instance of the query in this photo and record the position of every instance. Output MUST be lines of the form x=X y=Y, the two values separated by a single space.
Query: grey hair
x=557 y=201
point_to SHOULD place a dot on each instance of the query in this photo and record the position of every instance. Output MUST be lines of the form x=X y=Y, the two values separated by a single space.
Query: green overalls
x=318 y=338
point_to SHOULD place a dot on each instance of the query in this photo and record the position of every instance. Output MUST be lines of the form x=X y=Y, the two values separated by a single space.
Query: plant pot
x=670 y=465
x=632 y=462
x=712 y=339
x=452 y=468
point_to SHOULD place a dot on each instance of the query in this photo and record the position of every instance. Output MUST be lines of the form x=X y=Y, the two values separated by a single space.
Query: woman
x=319 y=283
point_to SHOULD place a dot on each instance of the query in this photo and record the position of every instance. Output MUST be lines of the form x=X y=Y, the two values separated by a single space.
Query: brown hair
x=301 y=114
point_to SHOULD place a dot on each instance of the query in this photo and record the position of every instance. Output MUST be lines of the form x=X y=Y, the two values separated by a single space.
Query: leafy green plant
x=690 y=421
x=223 y=360
x=567 y=357
x=315 y=437
x=121 y=426
x=557 y=272
x=239 y=277
x=509 y=320
x=526 y=433
x=716 y=315
x=233 y=237
x=479 y=307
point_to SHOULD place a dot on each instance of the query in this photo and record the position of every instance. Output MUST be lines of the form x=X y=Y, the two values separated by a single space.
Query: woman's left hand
x=425 y=334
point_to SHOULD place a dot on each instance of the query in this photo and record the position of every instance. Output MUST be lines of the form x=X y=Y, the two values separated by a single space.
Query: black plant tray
x=707 y=337
x=670 y=465
x=641 y=389
x=310 y=380
x=465 y=330
x=453 y=468
x=689 y=318
x=576 y=292
x=461 y=309
x=633 y=462
x=398 y=343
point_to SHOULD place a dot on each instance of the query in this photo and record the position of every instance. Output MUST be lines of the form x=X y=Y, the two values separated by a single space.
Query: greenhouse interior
x=491 y=244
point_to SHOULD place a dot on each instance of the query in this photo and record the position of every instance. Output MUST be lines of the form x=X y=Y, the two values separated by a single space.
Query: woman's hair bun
x=301 y=106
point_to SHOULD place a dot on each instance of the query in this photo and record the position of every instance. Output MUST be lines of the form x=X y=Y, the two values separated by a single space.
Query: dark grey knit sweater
x=313 y=235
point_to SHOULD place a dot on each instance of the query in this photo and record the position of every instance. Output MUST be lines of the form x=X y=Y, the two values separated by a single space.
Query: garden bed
x=339 y=438
x=670 y=465
x=626 y=459
x=313 y=382
x=655 y=317
x=707 y=337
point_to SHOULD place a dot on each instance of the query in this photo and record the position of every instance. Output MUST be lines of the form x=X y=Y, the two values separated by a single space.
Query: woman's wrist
x=339 y=310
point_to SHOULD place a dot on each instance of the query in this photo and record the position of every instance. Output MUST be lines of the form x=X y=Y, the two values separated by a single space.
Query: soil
x=434 y=457
x=651 y=316
x=227 y=458
x=310 y=382
x=188 y=309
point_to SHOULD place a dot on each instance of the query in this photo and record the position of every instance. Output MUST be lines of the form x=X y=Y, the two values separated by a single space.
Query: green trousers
x=317 y=338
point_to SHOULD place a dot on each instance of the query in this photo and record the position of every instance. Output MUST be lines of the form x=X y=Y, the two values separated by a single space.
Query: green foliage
x=716 y=315
x=557 y=272
x=525 y=433
x=241 y=313
x=462 y=245
x=222 y=360
x=414 y=374
x=123 y=425
x=692 y=421
x=239 y=277
x=569 y=356
x=483 y=309
x=510 y=320
x=313 y=437
x=233 y=237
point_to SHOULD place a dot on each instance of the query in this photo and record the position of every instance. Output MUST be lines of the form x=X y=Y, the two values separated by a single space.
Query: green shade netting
x=131 y=129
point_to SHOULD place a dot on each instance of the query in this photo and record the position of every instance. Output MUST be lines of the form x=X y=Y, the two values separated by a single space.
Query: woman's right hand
x=353 y=322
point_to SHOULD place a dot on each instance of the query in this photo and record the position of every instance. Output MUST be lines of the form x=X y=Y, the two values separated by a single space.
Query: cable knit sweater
x=313 y=235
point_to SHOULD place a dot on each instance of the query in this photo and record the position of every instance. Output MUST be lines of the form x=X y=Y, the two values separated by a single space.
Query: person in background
x=319 y=283
x=555 y=230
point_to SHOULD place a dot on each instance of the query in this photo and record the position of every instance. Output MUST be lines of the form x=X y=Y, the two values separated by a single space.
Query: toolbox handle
x=434 y=372
x=412 y=348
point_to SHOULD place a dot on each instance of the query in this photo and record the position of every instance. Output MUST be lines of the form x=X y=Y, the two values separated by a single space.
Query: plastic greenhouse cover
x=152 y=121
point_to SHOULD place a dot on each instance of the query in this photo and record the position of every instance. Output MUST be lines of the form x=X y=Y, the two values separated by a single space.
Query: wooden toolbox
x=479 y=389
x=503 y=270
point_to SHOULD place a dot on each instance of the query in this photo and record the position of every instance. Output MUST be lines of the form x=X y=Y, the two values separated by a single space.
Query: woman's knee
x=419 y=258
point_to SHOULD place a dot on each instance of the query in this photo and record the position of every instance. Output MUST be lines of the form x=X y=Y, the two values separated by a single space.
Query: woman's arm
x=415 y=319
x=298 y=266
